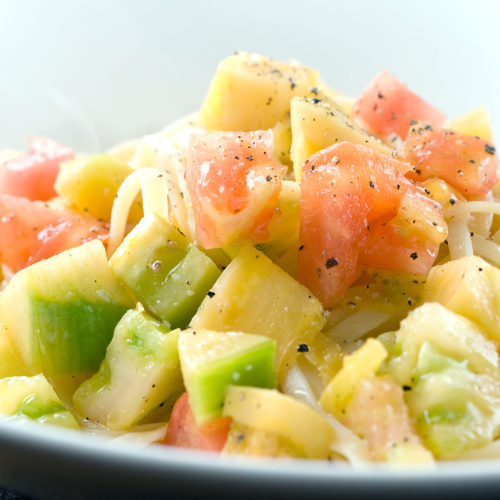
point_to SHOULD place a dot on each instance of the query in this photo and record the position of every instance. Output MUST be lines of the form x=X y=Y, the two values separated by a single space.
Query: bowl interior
x=97 y=73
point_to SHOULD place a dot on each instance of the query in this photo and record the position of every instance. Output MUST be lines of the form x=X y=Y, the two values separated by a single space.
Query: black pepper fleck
x=489 y=149
x=331 y=262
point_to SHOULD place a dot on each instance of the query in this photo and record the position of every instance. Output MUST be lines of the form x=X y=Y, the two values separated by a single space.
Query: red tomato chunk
x=465 y=162
x=33 y=175
x=31 y=231
x=182 y=430
x=357 y=208
x=388 y=107
x=234 y=186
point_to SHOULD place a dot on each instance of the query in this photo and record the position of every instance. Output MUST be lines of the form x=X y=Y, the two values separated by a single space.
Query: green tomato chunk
x=169 y=278
x=60 y=313
x=211 y=361
x=140 y=372
x=33 y=399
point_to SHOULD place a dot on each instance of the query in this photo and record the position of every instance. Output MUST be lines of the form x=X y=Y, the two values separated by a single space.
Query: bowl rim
x=69 y=443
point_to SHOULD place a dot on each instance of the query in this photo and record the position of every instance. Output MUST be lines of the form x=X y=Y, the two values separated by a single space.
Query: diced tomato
x=357 y=208
x=183 y=431
x=33 y=175
x=465 y=162
x=31 y=231
x=387 y=107
x=234 y=185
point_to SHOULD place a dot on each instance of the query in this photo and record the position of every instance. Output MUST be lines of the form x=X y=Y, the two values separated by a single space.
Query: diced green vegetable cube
x=140 y=372
x=33 y=398
x=166 y=276
x=211 y=361
x=60 y=313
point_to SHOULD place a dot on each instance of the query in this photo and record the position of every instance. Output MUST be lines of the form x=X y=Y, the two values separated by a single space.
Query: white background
x=91 y=73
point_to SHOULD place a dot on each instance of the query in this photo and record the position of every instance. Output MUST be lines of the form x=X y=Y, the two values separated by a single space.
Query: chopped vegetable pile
x=290 y=272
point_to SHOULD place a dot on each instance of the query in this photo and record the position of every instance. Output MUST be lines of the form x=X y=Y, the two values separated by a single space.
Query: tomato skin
x=33 y=175
x=352 y=213
x=467 y=163
x=387 y=107
x=386 y=248
x=182 y=430
x=234 y=186
x=31 y=231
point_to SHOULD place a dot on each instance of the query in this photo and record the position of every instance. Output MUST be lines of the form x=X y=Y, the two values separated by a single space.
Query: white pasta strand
x=358 y=324
x=467 y=207
x=141 y=438
x=178 y=194
x=154 y=189
x=125 y=196
x=486 y=248
x=346 y=443
x=459 y=240
x=142 y=434
x=167 y=151
x=169 y=154
x=482 y=221
x=157 y=151
x=179 y=133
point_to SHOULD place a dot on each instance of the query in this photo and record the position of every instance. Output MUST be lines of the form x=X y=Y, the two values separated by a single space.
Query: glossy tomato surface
x=234 y=185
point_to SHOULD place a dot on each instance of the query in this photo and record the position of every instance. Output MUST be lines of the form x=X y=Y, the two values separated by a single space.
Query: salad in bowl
x=290 y=272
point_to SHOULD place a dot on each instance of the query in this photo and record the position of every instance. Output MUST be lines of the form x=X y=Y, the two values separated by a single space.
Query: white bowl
x=94 y=73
